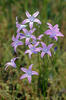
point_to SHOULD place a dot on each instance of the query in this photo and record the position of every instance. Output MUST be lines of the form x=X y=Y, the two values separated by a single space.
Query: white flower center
x=45 y=50
x=28 y=35
x=29 y=72
x=31 y=18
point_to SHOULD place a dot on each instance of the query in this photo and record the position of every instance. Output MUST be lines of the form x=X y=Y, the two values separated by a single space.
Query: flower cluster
x=32 y=42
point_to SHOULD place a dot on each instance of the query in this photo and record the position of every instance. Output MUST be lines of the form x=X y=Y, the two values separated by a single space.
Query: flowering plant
x=34 y=43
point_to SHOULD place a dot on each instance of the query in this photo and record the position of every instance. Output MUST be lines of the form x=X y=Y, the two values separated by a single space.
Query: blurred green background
x=11 y=88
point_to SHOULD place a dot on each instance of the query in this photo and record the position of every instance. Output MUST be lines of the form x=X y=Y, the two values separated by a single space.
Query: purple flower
x=12 y=63
x=28 y=73
x=16 y=42
x=27 y=35
x=31 y=19
x=53 y=31
x=33 y=49
x=46 y=49
x=19 y=26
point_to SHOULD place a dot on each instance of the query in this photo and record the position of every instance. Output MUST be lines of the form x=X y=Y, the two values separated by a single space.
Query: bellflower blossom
x=31 y=19
x=27 y=35
x=16 y=42
x=53 y=31
x=19 y=26
x=46 y=49
x=33 y=49
x=12 y=63
x=28 y=73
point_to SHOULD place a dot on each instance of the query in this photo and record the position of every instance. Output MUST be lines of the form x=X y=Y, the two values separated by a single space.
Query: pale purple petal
x=56 y=38
x=40 y=36
x=24 y=69
x=49 y=53
x=31 y=31
x=33 y=37
x=31 y=25
x=48 y=32
x=34 y=73
x=59 y=34
x=29 y=79
x=27 y=51
x=27 y=41
x=25 y=30
x=23 y=76
x=36 y=14
x=37 y=20
x=43 y=44
x=30 y=67
x=17 y=36
x=50 y=45
x=12 y=60
x=13 y=38
x=38 y=49
x=30 y=46
x=25 y=21
x=28 y=14
x=55 y=26
x=50 y=25
x=42 y=54
x=15 y=48
x=37 y=43
x=30 y=55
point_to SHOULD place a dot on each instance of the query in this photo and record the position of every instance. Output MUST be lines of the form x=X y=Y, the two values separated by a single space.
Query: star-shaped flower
x=33 y=49
x=46 y=49
x=19 y=26
x=28 y=73
x=27 y=35
x=16 y=42
x=53 y=31
x=31 y=19
x=11 y=63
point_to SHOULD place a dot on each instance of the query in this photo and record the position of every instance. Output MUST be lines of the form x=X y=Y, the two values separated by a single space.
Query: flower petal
x=40 y=36
x=25 y=21
x=59 y=34
x=48 y=32
x=25 y=30
x=24 y=69
x=31 y=25
x=49 y=53
x=28 y=14
x=33 y=37
x=56 y=38
x=37 y=43
x=23 y=76
x=27 y=41
x=38 y=49
x=50 y=25
x=27 y=51
x=31 y=31
x=43 y=44
x=13 y=38
x=36 y=14
x=30 y=46
x=50 y=45
x=29 y=79
x=42 y=54
x=30 y=67
x=37 y=20
x=34 y=73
